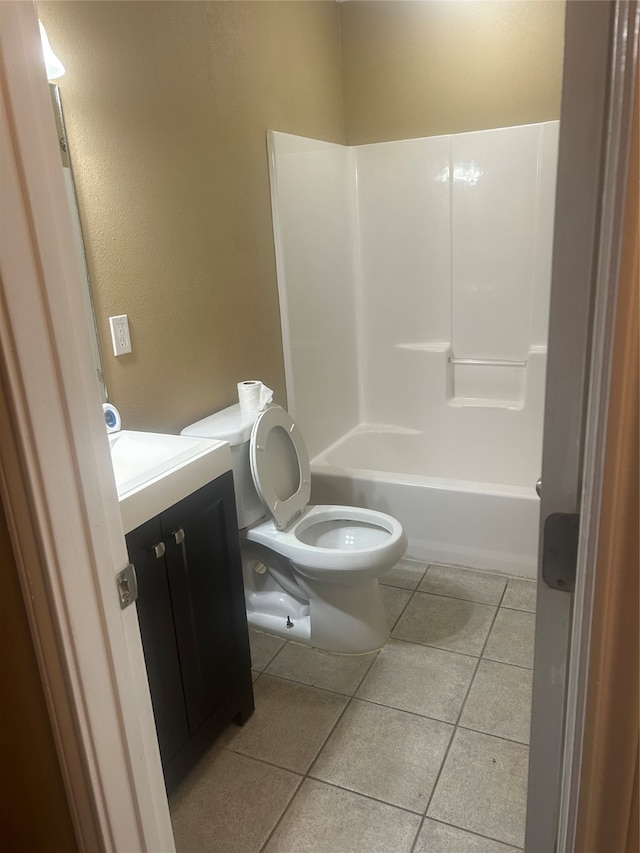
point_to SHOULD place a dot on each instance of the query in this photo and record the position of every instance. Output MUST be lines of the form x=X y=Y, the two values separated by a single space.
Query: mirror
x=69 y=185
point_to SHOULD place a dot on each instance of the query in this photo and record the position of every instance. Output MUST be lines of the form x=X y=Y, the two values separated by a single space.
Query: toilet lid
x=280 y=465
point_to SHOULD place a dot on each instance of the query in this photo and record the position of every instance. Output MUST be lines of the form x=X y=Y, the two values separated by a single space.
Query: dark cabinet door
x=205 y=580
x=155 y=615
x=193 y=623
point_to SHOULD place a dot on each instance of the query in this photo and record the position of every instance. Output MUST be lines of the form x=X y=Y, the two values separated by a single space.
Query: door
x=591 y=160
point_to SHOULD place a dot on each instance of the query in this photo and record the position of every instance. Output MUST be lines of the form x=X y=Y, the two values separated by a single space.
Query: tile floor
x=419 y=748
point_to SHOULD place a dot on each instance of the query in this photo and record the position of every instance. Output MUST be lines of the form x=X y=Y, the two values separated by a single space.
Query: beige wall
x=416 y=69
x=167 y=105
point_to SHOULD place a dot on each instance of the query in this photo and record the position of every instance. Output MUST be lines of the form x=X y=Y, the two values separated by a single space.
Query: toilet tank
x=234 y=426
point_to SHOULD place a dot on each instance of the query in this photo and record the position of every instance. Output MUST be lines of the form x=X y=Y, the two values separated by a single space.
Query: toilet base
x=336 y=617
x=345 y=620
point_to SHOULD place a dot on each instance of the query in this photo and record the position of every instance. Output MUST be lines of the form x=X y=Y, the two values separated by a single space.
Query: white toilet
x=310 y=572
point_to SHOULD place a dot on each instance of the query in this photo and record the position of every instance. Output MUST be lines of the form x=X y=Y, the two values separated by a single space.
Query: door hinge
x=127 y=584
x=560 y=550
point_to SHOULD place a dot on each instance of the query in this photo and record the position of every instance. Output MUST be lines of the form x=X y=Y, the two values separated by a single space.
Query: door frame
x=617 y=142
x=595 y=125
x=57 y=485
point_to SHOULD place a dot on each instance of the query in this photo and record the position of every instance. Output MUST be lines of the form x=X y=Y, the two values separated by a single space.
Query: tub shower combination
x=414 y=289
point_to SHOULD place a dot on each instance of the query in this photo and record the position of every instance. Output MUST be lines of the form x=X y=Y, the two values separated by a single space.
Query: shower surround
x=414 y=291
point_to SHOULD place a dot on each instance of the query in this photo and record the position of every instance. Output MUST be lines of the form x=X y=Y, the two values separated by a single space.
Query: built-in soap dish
x=491 y=383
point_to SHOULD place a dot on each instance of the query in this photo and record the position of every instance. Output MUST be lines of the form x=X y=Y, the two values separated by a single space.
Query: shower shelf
x=488 y=362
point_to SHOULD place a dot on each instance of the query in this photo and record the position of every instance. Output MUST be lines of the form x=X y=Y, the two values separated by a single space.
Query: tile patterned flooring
x=419 y=748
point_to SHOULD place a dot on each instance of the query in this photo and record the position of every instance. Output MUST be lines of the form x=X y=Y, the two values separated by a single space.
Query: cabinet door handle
x=159 y=550
x=178 y=535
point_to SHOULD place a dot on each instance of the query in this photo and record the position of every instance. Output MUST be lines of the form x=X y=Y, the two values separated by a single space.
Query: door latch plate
x=560 y=550
x=127 y=584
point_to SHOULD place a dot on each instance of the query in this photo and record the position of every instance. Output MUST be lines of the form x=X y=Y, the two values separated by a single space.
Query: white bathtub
x=489 y=522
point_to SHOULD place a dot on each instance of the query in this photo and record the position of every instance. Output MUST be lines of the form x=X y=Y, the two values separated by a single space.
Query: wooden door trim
x=608 y=808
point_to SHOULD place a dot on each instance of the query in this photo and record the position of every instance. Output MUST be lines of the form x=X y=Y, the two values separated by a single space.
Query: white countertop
x=153 y=471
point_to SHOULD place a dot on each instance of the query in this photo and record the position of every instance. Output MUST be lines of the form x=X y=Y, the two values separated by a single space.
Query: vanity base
x=193 y=623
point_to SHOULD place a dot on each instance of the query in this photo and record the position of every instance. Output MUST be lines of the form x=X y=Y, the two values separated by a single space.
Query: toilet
x=310 y=572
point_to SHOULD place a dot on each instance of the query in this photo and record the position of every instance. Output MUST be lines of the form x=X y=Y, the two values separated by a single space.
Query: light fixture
x=54 y=67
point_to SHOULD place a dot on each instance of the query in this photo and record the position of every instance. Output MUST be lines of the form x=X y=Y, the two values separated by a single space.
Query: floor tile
x=212 y=812
x=448 y=623
x=512 y=638
x=289 y=725
x=437 y=837
x=324 y=819
x=264 y=647
x=385 y=753
x=406 y=574
x=483 y=787
x=499 y=702
x=520 y=595
x=463 y=583
x=419 y=679
x=342 y=673
x=394 y=600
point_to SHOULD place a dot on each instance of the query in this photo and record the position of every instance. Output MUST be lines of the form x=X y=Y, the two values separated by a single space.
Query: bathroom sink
x=153 y=471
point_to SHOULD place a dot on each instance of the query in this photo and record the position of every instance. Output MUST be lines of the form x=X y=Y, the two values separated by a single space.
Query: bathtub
x=459 y=503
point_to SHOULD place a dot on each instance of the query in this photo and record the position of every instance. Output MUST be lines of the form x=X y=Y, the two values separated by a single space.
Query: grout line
x=457 y=598
x=405 y=711
x=400 y=615
x=274 y=655
x=517 y=609
x=474 y=833
x=455 y=730
x=264 y=761
x=415 y=840
x=308 y=686
x=327 y=738
x=335 y=692
x=397 y=586
x=369 y=668
x=491 y=734
x=284 y=811
x=365 y=796
x=508 y=663
x=442 y=649
x=306 y=774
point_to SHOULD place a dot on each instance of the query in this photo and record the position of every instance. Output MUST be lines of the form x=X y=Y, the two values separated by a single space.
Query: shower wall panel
x=405 y=269
x=502 y=199
x=398 y=260
x=312 y=193
x=493 y=233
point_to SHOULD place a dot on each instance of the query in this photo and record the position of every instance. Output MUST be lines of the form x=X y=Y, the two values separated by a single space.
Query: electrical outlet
x=120 y=334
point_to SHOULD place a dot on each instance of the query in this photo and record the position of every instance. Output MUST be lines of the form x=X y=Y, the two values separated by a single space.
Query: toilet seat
x=280 y=465
x=332 y=543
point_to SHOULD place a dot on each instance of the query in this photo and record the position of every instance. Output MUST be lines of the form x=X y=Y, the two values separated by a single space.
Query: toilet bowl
x=310 y=572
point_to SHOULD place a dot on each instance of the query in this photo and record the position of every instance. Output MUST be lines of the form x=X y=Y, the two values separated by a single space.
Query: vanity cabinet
x=193 y=622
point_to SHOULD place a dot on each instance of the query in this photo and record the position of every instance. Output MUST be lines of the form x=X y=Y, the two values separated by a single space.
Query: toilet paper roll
x=253 y=396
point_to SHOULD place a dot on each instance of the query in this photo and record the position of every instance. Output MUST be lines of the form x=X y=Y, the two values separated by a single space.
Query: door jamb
x=618 y=136
x=57 y=484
